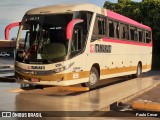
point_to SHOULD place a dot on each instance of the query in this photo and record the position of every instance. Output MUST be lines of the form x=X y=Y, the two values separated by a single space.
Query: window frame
x=127 y=34
x=96 y=26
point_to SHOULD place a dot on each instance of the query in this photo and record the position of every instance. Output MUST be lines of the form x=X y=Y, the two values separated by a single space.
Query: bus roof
x=62 y=8
x=122 y=18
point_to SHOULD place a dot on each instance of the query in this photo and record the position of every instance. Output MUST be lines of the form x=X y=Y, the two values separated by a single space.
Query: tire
x=138 y=71
x=93 y=79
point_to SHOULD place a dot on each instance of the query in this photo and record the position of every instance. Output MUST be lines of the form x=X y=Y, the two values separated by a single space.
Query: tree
x=125 y=7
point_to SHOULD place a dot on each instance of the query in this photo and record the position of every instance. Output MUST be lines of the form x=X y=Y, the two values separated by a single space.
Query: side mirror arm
x=70 y=26
x=9 y=27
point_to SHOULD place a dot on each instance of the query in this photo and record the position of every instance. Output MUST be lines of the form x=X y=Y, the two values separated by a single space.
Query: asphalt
x=51 y=99
x=6 y=61
x=151 y=95
x=109 y=91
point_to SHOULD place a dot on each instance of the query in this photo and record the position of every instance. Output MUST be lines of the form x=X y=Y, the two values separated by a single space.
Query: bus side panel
x=121 y=60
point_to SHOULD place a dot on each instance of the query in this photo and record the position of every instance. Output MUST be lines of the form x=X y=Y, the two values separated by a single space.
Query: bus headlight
x=61 y=69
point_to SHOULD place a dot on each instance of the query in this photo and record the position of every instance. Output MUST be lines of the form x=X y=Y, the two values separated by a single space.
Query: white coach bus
x=81 y=43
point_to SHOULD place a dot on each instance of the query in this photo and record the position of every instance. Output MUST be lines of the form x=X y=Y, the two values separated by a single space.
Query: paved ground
x=151 y=95
x=50 y=99
x=6 y=67
x=6 y=61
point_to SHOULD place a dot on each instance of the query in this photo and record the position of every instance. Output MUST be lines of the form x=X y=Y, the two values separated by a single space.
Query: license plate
x=34 y=80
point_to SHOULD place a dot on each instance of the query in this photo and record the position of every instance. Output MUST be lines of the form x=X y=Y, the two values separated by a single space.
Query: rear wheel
x=93 y=78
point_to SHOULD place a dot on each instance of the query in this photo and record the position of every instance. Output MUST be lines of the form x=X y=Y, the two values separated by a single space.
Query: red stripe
x=127 y=42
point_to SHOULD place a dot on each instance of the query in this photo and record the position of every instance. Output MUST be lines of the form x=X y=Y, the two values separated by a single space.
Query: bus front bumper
x=52 y=83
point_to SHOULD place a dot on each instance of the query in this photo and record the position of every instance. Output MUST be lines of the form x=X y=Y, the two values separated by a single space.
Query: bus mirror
x=9 y=27
x=70 y=26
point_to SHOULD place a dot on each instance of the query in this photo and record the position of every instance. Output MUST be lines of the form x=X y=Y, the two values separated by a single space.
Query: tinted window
x=99 y=26
x=141 y=35
x=148 y=36
x=116 y=24
x=111 y=28
x=124 y=31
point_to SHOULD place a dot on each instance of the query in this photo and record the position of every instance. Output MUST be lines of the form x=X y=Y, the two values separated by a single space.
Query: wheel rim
x=92 y=78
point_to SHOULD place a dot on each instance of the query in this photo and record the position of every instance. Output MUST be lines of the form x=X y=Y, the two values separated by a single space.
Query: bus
x=63 y=45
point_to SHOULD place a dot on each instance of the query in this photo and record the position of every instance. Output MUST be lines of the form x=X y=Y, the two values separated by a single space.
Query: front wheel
x=93 y=79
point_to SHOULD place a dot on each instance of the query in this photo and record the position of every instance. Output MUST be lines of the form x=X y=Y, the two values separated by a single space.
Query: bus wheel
x=139 y=70
x=93 y=79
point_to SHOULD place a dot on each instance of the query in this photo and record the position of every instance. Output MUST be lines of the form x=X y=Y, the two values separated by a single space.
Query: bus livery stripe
x=122 y=69
x=84 y=74
x=127 y=42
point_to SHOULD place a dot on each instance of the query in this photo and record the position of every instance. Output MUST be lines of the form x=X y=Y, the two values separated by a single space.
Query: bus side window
x=132 y=33
x=141 y=35
x=111 y=28
x=124 y=31
x=96 y=30
x=148 y=36
x=77 y=39
x=117 y=30
x=135 y=34
x=99 y=27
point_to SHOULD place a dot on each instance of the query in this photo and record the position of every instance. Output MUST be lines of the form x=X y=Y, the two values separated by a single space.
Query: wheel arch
x=97 y=66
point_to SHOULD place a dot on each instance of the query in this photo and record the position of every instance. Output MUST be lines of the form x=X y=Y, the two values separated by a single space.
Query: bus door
x=76 y=48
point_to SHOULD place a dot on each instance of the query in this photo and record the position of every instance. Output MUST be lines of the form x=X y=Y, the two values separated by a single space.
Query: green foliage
x=124 y=1
x=125 y=7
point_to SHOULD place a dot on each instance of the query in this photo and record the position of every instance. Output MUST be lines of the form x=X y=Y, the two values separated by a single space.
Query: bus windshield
x=43 y=37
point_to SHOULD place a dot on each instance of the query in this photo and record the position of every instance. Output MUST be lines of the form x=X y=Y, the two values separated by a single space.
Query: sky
x=13 y=10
